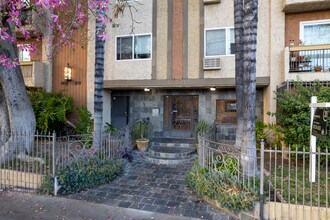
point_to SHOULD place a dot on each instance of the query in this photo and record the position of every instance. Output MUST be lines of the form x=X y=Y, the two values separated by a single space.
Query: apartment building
x=176 y=66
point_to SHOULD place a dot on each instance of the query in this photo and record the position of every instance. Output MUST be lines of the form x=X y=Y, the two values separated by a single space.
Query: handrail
x=309 y=47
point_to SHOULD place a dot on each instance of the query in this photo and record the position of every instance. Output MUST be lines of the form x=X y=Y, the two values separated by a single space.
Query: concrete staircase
x=170 y=151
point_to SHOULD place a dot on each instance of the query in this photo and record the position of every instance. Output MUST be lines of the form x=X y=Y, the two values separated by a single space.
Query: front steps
x=170 y=151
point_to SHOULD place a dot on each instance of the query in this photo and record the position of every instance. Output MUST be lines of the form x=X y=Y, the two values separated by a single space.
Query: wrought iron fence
x=282 y=177
x=25 y=158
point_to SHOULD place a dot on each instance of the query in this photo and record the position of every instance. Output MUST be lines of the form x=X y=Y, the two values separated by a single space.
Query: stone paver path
x=152 y=187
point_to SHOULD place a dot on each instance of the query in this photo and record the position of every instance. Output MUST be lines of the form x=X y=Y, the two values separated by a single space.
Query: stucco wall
x=194 y=38
x=274 y=54
x=129 y=69
x=220 y=16
x=162 y=41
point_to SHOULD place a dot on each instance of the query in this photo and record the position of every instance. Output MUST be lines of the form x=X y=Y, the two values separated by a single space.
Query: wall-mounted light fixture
x=68 y=76
x=212 y=89
x=146 y=89
x=68 y=73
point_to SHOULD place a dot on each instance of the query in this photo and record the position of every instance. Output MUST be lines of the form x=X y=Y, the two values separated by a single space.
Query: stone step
x=165 y=152
x=173 y=142
x=167 y=161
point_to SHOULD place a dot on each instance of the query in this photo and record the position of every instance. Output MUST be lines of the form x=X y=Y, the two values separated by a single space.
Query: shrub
x=271 y=134
x=83 y=173
x=293 y=114
x=50 y=109
x=86 y=122
x=221 y=187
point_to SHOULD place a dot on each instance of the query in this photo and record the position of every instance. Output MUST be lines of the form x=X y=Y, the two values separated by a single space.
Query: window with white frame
x=23 y=55
x=133 y=47
x=315 y=32
x=220 y=41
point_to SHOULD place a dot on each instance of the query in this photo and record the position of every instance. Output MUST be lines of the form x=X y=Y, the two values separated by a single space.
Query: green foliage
x=293 y=114
x=200 y=127
x=110 y=129
x=86 y=122
x=225 y=163
x=84 y=173
x=271 y=134
x=50 y=109
x=141 y=130
x=222 y=187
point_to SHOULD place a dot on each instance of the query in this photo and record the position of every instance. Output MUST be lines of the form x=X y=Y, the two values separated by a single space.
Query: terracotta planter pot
x=142 y=144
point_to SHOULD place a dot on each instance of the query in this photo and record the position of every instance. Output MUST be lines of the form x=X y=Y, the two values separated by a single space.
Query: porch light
x=212 y=89
x=68 y=73
x=146 y=89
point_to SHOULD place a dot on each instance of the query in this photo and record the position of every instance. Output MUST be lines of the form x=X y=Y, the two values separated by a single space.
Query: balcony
x=309 y=62
x=32 y=73
x=294 y=6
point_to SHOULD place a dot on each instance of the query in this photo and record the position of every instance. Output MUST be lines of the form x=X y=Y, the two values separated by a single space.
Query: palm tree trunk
x=249 y=80
x=239 y=49
x=98 y=81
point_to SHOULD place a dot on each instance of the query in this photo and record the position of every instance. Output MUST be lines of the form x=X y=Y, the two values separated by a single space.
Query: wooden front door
x=181 y=115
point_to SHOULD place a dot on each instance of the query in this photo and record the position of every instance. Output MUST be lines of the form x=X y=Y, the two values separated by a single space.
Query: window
x=315 y=32
x=219 y=42
x=23 y=55
x=226 y=111
x=134 y=47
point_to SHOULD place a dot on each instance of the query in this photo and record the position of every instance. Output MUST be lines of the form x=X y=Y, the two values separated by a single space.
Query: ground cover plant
x=84 y=173
x=222 y=187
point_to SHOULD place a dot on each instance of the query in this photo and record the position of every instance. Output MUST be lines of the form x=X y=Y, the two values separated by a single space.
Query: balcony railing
x=314 y=58
x=32 y=73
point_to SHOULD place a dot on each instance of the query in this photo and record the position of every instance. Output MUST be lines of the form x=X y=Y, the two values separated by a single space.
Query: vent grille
x=212 y=63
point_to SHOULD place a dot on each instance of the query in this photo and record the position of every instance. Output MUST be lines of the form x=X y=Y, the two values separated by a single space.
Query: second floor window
x=219 y=42
x=315 y=32
x=133 y=47
x=23 y=55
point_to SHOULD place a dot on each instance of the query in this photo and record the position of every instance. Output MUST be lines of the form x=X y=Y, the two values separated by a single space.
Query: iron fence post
x=54 y=163
x=262 y=146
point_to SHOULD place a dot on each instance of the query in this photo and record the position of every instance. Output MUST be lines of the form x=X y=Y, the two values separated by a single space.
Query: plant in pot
x=141 y=135
x=318 y=68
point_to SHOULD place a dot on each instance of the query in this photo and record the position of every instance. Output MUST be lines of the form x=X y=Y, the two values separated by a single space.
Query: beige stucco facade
x=162 y=19
x=270 y=45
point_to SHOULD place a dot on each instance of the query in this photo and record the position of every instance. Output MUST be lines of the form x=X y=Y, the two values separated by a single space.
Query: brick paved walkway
x=152 y=187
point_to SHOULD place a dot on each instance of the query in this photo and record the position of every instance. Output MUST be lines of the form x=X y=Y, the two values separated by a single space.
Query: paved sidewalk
x=17 y=206
x=154 y=188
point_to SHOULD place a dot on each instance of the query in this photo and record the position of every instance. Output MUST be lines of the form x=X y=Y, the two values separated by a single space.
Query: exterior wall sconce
x=146 y=89
x=68 y=72
x=212 y=89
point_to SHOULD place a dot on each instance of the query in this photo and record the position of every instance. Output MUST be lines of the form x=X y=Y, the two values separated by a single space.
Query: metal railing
x=282 y=177
x=314 y=58
x=26 y=159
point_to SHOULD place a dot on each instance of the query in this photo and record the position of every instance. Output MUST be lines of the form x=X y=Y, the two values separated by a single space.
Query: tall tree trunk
x=239 y=70
x=98 y=81
x=15 y=108
x=249 y=80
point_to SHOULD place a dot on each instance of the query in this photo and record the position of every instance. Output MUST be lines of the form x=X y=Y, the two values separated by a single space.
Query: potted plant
x=141 y=134
x=317 y=68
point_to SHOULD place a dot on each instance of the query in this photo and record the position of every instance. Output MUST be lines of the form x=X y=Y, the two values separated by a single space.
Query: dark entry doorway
x=181 y=115
x=119 y=111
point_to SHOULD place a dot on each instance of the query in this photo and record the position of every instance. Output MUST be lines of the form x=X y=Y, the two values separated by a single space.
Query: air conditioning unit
x=212 y=63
